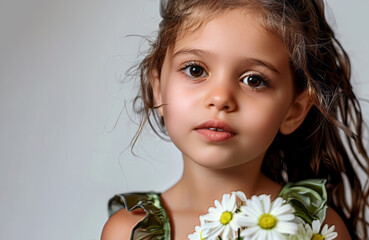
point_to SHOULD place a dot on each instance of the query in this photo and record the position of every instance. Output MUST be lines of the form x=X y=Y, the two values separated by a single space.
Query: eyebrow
x=263 y=63
x=197 y=52
x=202 y=53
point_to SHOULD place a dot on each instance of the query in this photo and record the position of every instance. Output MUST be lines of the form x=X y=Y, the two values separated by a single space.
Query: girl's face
x=227 y=88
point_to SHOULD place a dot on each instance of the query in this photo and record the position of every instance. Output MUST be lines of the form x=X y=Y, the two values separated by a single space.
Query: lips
x=215 y=131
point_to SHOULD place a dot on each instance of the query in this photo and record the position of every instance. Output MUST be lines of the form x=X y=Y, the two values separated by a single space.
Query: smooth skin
x=233 y=72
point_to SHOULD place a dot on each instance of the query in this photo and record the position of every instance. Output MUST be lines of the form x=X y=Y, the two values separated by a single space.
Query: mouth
x=215 y=131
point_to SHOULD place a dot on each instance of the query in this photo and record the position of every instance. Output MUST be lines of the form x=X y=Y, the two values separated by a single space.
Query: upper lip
x=218 y=124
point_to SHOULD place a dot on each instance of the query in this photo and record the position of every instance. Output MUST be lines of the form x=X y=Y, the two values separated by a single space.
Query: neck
x=200 y=186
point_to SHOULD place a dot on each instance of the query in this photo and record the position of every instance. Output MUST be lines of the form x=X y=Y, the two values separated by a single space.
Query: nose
x=220 y=96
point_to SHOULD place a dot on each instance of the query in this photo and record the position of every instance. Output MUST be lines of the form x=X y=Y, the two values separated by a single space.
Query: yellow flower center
x=317 y=237
x=267 y=221
x=226 y=218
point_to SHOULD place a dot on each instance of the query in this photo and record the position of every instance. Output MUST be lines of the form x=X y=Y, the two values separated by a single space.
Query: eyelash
x=187 y=65
x=263 y=80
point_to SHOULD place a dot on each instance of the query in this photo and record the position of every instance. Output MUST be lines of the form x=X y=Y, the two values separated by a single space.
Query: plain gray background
x=63 y=151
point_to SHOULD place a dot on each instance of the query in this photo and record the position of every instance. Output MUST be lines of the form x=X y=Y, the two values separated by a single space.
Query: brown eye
x=195 y=71
x=254 y=81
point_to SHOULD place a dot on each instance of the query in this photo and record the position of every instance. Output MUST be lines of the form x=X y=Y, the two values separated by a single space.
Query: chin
x=217 y=163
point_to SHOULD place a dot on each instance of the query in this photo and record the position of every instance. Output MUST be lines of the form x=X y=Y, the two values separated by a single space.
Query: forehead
x=195 y=17
x=234 y=34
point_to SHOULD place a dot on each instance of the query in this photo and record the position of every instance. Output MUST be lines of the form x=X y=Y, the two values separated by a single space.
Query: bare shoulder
x=120 y=225
x=334 y=219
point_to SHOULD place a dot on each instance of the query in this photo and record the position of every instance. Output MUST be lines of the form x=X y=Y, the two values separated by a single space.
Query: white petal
x=193 y=236
x=218 y=205
x=226 y=233
x=331 y=229
x=202 y=220
x=277 y=236
x=225 y=200
x=210 y=225
x=265 y=201
x=268 y=235
x=214 y=210
x=316 y=226
x=274 y=235
x=212 y=217
x=234 y=222
x=232 y=204
x=286 y=227
x=308 y=228
x=250 y=231
x=250 y=210
x=286 y=217
x=256 y=236
x=216 y=231
x=277 y=202
x=247 y=221
x=299 y=221
x=284 y=209
x=324 y=229
x=215 y=237
x=257 y=204
x=262 y=234
x=241 y=196
x=253 y=207
x=331 y=236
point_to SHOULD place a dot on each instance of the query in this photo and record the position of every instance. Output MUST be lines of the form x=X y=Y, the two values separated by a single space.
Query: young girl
x=255 y=94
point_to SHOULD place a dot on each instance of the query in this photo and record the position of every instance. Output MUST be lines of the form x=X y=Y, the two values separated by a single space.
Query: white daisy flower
x=222 y=218
x=200 y=233
x=326 y=233
x=266 y=220
x=304 y=231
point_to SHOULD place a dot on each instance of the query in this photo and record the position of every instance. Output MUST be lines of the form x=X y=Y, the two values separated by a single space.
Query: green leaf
x=309 y=199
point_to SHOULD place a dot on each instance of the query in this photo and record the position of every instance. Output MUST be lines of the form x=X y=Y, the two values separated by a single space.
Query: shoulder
x=120 y=225
x=332 y=218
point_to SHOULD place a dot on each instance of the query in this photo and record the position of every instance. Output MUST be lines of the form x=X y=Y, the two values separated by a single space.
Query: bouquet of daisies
x=257 y=218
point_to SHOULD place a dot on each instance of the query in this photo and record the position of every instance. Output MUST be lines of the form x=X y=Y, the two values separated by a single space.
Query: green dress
x=308 y=197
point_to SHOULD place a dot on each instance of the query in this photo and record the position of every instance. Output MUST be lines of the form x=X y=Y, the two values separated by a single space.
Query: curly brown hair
x=329 y=143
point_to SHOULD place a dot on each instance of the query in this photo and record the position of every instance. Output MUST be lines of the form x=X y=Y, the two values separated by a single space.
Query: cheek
x=177 y=109
x=179 y=97
x=175 y=101
x=264 y=119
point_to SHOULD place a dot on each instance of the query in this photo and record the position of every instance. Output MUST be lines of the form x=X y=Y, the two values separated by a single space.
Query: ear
x=155 y=84
x=296 y=114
